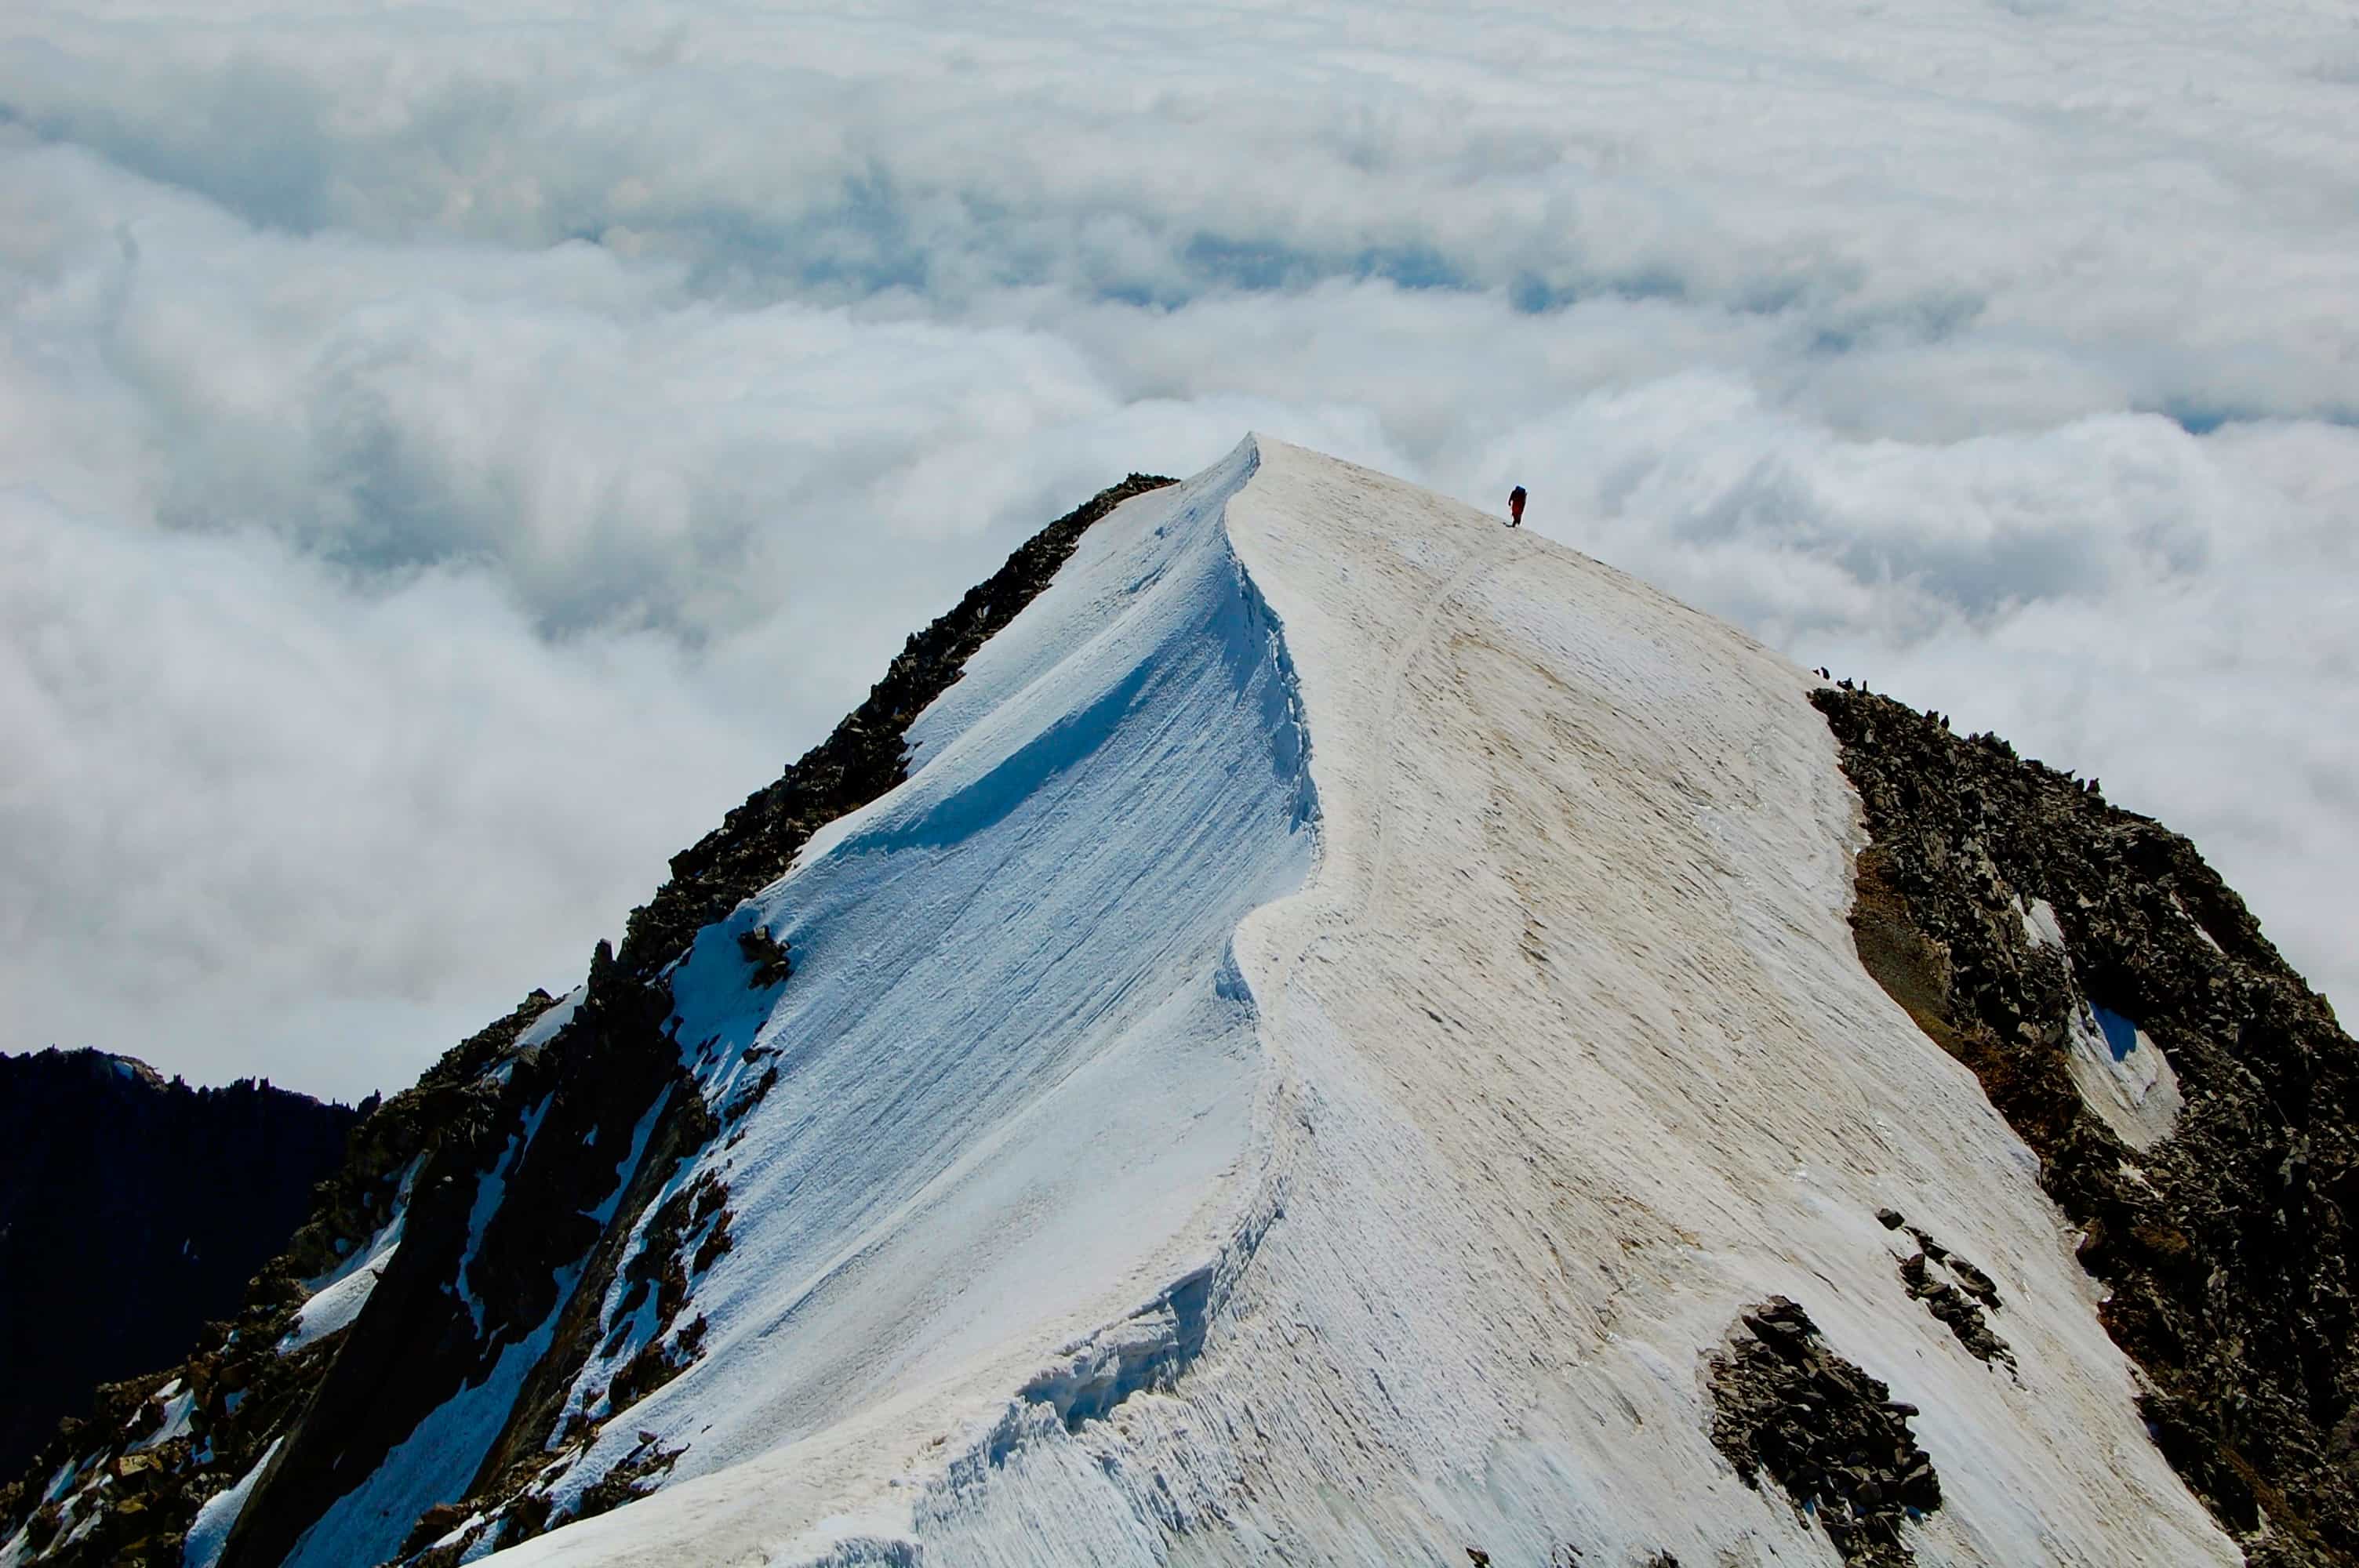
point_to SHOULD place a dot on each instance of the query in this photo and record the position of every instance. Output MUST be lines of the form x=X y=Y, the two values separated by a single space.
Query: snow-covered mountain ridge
x=1344 y=1040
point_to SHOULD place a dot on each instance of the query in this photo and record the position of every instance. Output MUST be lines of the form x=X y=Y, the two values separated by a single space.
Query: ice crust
x=1351 y=1003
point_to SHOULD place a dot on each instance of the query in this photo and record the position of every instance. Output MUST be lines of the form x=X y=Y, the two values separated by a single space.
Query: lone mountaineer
x=1516 y=507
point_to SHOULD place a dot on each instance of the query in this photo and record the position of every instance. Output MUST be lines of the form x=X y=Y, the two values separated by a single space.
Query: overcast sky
x=448 y=456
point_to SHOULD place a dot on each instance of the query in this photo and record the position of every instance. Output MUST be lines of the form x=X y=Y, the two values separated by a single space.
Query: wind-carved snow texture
x=1148 y=1351
x=1488 y=1127
x=1015 y=1064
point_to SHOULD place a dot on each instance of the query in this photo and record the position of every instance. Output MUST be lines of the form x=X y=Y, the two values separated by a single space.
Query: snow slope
x=1139 y=1188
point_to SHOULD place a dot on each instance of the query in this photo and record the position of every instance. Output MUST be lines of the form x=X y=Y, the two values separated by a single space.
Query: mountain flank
x=296 y=1411
x=2003 y=904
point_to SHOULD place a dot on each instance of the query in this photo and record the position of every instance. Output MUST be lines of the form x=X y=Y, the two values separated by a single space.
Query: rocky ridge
x=2001 y=903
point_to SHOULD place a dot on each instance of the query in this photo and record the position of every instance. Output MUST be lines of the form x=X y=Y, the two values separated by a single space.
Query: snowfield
x=1351 y=1003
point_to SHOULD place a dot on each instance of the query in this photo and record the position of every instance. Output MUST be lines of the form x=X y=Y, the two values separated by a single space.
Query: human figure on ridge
x=1516 y=507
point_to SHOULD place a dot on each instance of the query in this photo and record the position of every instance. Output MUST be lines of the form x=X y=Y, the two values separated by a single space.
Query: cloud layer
x=448 y=457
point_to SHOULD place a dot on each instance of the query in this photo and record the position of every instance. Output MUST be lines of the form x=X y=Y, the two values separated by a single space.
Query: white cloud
x=453 y=454
x=244 y=799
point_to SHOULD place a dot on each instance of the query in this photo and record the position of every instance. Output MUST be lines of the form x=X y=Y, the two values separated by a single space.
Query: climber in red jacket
x=1516 y=507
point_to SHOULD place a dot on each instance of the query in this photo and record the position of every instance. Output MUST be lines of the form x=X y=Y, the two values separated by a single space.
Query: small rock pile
x=1825 y=1431
x=1959 y=1306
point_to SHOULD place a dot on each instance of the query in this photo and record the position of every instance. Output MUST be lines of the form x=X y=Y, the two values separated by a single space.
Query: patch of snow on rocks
x=210 y=1531
x=2123 y=1076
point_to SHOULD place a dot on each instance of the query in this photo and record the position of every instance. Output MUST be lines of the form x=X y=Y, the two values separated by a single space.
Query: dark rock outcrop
x=2227 y=1247
x=245 y=1389
x=1787 y=1406
x=131 y=1211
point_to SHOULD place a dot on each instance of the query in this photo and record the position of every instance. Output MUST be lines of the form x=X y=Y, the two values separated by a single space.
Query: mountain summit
x=1301 y=1024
